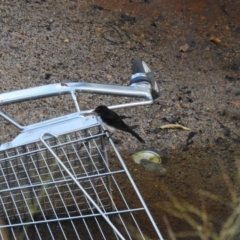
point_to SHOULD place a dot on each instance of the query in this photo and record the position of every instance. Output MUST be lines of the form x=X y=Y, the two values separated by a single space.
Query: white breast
x=107 y=127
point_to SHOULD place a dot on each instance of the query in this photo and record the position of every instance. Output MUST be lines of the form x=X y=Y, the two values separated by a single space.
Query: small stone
x=184 y=47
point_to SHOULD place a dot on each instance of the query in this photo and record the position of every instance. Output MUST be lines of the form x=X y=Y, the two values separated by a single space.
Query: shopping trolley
x=56 y=180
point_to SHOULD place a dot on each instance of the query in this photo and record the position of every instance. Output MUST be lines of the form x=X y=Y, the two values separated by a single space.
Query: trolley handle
x=71 y=88
x=141 y=74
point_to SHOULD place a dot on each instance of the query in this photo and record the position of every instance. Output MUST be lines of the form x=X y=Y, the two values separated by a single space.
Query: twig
x=169 y=229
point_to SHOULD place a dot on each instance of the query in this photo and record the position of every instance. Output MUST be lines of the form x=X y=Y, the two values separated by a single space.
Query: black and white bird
x=112 y=121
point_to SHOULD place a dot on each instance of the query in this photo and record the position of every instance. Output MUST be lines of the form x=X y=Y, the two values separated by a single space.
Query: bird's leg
x=109 y=135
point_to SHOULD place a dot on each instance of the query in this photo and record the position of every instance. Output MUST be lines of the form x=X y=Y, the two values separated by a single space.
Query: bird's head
x=100 y=110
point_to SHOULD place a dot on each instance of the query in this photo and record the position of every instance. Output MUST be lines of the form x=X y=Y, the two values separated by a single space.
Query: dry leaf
x=215 y=40
x=173 y=126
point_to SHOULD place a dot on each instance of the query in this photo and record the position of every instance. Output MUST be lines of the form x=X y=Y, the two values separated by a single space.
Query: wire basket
x=56 y=182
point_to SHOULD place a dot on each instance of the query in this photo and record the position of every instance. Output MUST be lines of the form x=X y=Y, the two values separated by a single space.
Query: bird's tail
x=136 y=135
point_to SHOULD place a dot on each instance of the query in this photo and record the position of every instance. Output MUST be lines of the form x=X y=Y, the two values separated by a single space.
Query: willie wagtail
x=113 y=121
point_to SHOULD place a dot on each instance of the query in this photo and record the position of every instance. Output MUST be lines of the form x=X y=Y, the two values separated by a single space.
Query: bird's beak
x=94 y=112
x=88 y=114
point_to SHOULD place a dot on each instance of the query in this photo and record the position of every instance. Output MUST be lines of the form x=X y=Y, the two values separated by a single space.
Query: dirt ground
x=194 y=48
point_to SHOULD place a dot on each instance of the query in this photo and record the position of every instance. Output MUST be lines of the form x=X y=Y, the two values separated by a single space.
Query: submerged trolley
x=56 y=181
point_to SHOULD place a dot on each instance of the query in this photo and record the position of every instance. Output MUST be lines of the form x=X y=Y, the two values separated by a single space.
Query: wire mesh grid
x=63 y=187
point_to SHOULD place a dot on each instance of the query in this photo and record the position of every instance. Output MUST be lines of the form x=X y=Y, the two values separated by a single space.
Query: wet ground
x=194 y=48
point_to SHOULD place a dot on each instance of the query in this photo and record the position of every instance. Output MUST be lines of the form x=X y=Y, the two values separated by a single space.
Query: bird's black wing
x=120 y=124
x=114 y=120
x=111 y=118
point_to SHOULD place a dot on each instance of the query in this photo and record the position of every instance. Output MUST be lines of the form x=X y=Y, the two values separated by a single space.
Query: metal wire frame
x=64 y=187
